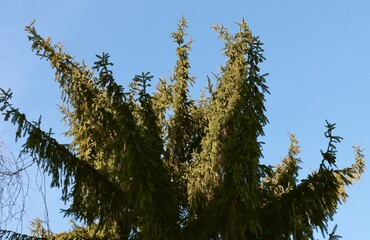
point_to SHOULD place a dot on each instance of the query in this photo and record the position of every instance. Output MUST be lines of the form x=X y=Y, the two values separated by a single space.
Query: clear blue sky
x=318 y=56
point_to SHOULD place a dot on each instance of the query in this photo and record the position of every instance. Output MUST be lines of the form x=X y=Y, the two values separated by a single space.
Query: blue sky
x=317 y=56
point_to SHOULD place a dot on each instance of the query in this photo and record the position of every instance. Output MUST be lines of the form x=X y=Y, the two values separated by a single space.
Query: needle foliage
x=162 y=165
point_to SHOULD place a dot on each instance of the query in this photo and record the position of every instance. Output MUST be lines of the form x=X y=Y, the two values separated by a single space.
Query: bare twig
x=14 y=185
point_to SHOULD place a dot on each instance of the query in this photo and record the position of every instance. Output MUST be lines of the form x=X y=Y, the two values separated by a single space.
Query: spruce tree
x=162 y=165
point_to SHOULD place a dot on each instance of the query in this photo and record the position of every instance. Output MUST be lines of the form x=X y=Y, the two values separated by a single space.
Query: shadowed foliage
x=162 y=165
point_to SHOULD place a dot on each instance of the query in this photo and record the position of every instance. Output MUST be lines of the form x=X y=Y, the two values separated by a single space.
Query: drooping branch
x=67 y=171
x=311 y=202
x=10 y=235
x=107 y=137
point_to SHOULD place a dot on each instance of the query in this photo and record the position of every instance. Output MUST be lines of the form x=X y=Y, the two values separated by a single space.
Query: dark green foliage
x=165 y=166
x=4 y=234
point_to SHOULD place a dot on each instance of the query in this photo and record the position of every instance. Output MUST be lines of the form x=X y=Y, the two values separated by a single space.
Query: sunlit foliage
x=165 y=166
